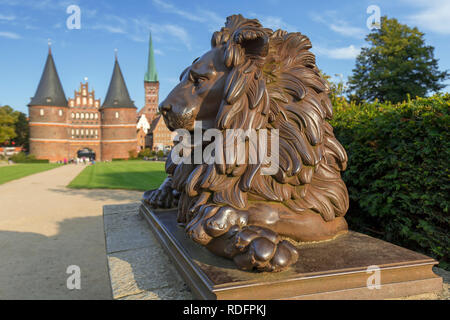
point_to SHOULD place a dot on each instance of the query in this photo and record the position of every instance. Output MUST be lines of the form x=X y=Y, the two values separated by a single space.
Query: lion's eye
x=196 y=79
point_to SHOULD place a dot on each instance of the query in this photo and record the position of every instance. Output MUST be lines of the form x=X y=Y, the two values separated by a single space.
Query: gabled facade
x=160 y=137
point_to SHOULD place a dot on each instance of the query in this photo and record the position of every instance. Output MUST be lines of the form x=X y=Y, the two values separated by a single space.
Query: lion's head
x=255 y=78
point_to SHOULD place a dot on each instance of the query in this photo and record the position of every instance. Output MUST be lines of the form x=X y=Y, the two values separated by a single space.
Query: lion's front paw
x=163 y=197
x=261 y=249
x=195 y=229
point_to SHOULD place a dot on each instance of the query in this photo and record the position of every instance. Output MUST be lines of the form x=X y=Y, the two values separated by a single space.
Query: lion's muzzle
x=175 y=117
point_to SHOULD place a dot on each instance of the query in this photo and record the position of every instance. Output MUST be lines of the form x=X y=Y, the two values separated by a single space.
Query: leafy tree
x=8 y=119
x=337 y=89
x=22 y=130
x=396 y=63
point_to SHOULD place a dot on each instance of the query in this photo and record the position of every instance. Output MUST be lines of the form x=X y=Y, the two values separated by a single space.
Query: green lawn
x=132 y=175
x=17 y=171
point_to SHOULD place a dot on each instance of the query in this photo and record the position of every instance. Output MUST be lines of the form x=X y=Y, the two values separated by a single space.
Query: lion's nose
x=164 y=108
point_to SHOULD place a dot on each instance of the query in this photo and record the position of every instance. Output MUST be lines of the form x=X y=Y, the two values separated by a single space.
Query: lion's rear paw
x=261 y=249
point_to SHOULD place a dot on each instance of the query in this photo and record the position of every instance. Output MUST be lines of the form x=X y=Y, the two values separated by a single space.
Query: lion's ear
x=253 y=40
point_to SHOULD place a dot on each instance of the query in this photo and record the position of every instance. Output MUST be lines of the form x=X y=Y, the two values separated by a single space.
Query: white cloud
x=210 y=18
x=172 y=9
x=7 y=18
x=175 y=31
x=41 y=4
x=350 y=52
x=109 y=28
x=434 y=15
x=274 y=23
x=346 y=30
x=9 y=35
x=338 y=25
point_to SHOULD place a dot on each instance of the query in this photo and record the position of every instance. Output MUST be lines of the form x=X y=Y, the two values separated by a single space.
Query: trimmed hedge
x=398 y=171
x=23 y=158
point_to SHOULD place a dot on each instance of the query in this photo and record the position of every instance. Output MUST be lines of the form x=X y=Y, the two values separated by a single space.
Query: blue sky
x=181 y=32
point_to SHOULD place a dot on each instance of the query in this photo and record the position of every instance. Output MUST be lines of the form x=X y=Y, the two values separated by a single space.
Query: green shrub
x=145 y=153
x=23 y=158
x=398 y=171
x=160 y=154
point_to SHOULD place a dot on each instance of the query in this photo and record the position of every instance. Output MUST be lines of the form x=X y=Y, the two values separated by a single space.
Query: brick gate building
x=61 y=129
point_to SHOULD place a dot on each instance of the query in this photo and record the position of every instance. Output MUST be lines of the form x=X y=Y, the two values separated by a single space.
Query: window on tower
x=117 y=115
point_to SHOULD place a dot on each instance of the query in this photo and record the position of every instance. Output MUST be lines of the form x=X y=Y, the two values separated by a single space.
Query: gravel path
x=46 y=227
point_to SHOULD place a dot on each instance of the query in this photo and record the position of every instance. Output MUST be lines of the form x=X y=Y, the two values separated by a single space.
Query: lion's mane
x=273 y=84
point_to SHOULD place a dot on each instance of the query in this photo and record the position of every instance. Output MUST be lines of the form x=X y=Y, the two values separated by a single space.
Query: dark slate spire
x=117 y=96
x=49 y=91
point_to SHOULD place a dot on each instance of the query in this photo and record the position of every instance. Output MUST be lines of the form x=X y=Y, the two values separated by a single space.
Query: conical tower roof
x=117 y=96
x=151 y=75
x=49 y=91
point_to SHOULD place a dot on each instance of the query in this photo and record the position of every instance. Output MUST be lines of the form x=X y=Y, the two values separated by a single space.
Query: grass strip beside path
x=131 y=175
x=17 y=171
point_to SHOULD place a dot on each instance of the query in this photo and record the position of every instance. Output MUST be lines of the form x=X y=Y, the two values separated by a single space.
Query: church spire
x=151 y=75
x=117 y=96
x=49 y=91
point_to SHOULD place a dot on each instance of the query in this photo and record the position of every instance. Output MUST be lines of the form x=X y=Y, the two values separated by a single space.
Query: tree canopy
x=396 y=63
x=13 y=126
x=7 y=123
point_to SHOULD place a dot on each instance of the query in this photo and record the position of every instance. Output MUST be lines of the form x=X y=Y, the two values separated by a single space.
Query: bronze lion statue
x=257 y=78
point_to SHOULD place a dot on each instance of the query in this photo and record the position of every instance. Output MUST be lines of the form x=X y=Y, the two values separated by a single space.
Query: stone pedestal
x=335 y=269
